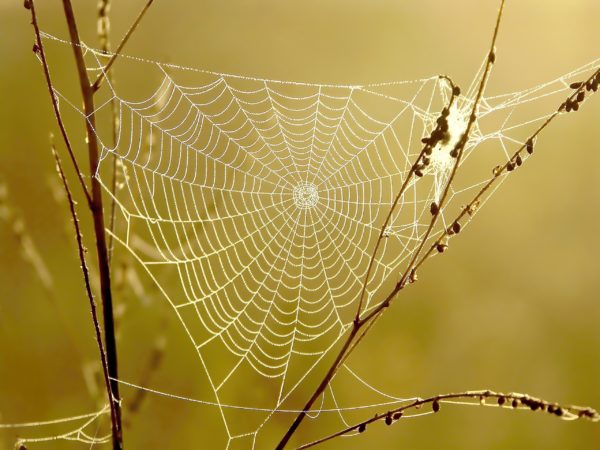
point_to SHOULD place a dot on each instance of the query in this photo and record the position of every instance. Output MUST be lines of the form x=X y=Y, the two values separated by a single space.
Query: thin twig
x=104 y=37
x=414 y=168
x=458 y=151
x=357 y=333
x=94 y=203
x=95 y=197
x=501 y=400
x=514 y=161
x=86 y=278
x=571 y=103
x=115 y=55
x=97 y=211
x=376 y=312
x=39 y=51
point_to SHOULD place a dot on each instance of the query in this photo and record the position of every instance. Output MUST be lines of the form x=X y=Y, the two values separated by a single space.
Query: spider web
x=254 y=205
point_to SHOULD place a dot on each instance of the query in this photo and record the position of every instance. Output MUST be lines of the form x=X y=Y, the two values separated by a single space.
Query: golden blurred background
x=513 y=306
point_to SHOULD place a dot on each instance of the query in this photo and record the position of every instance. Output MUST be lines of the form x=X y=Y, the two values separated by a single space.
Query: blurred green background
x=513 y=307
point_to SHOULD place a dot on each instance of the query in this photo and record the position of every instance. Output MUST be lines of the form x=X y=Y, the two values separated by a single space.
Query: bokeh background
x=514 y=306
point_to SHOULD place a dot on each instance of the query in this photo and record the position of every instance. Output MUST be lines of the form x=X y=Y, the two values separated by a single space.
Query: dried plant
x=364 y=319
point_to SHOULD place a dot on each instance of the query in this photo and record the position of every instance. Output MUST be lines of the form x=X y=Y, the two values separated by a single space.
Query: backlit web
x=255 y=204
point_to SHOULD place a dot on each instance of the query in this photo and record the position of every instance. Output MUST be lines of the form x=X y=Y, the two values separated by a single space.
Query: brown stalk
x=94 y=198
x=105 y=47
x=39 y=51
x=97 y=210
x=358 y=322
x=515 y=161
x=501 y=400
x=386 y=222
x=469 y=210
x=104 y=35
x=95 y=205
x=86 y=278
x=115 y=55
x=459 y=149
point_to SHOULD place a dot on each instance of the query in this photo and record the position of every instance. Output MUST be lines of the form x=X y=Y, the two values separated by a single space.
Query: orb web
x=254 y=205
x=306 y=195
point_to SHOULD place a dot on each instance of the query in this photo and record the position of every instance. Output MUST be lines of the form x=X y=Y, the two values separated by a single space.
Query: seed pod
x=362 y=427
x=388 y=419
x=580 y=96
x=441 y=248
x=418 y=173
x=510 y=166
x=454 y=153
x=529 y=146
x=575 y=106
x=426 y=161
x=456 y=227
x=497 y=170
x=492 y=56
x=568 y=106
x=435 y=406
x=576 y=85
x=434 y=208
x=558 y=411
x=515 y=403
x=456 y=91
x=501 y=400
x=436 y=136
x=588 y=85
x=519 y=160
x=27 y=5
x=397 y=415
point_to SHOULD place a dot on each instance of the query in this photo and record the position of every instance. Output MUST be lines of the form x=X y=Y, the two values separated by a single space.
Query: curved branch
x=376 y=312
x=500 y=400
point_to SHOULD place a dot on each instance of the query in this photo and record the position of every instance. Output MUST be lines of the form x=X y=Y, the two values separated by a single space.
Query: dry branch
x=81 y=251
x=511 y=401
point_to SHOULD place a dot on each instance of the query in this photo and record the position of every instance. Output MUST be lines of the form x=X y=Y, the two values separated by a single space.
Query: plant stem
x=324 y=383
x=94 y=201
x=115 y=55
x=86 y=278
x=388 y=218
x=501 y=400
x=39 y=50
x=470 y=208
x=376 y=313
x=104 y=37
x=97 y=211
